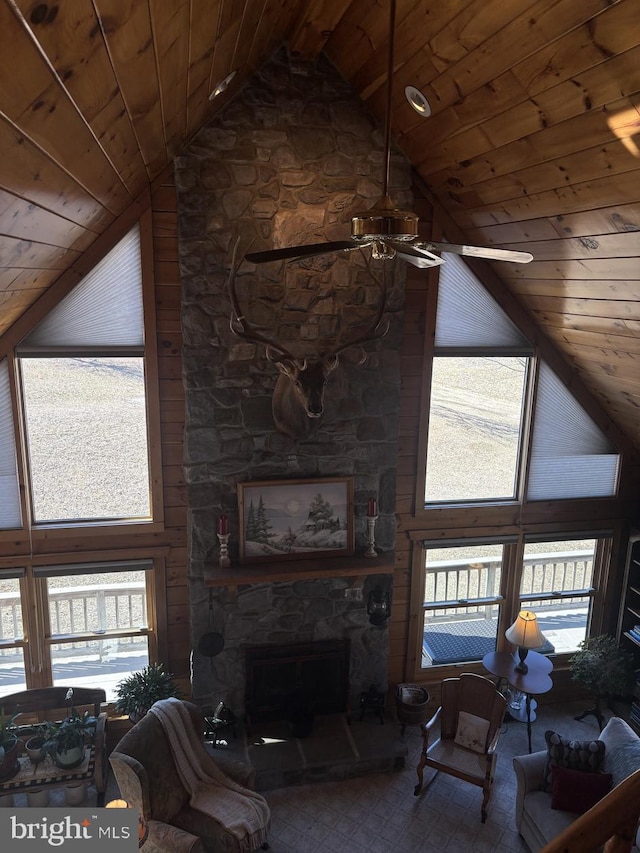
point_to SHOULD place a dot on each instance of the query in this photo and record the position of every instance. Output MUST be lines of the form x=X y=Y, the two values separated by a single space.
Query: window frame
x=37 y=637
x=31 y=532
x=523 y=442
x=512 y=569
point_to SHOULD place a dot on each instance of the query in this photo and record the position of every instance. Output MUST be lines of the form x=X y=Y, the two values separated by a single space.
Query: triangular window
x=467 y=315
x=105 y=308
x=570 y=455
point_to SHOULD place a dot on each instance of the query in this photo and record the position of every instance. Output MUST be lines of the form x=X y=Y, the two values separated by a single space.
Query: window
x=10 y=516
x=570 y=456
x=12 y=663
x=83 y=391
x=98 y=621
x=475 y=423
x=461 y=602
x=559 y=585
x=86 y=432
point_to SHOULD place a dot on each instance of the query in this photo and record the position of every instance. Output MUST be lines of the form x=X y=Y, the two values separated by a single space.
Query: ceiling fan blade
x=416 y=255
x=294 y=252
x=481 y=252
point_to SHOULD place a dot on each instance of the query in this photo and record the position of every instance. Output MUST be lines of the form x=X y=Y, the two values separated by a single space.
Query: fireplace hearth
x=297 y=681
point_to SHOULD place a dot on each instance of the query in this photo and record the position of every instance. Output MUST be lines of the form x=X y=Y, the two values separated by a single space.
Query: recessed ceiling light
x=418 y=101
x=222 y=85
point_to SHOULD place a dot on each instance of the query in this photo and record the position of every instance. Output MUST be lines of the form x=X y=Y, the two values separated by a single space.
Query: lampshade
x=143 y=829
x=525 y=631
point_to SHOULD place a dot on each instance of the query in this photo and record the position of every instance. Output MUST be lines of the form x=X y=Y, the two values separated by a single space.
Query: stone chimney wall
x=287 y=161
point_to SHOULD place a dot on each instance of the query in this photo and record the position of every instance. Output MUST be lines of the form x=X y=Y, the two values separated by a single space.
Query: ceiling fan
x=389 y=231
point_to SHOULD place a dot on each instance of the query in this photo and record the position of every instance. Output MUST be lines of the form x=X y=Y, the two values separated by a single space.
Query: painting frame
x=290 y=523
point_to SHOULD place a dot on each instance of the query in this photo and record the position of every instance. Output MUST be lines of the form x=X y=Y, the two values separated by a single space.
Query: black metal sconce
x=378 y=606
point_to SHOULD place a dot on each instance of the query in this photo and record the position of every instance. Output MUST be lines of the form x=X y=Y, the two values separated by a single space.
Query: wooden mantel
x=292 y=570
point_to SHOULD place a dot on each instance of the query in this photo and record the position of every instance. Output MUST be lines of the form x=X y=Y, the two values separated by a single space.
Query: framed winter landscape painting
x=294 y=519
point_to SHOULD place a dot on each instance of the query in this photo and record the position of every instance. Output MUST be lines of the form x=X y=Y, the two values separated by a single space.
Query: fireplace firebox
x=297 y=679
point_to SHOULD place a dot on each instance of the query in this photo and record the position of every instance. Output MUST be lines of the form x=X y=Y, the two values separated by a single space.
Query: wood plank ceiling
x=533 y=141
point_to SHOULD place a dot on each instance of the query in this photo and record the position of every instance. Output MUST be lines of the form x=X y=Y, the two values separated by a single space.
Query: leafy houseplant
x=140 y=690
x=9 y=746
x=604 y=669
x=35 y=744
x=66 y=740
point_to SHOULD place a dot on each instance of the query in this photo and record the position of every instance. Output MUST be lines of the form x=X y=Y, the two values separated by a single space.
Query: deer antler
x=374 y=330
x=246 y=331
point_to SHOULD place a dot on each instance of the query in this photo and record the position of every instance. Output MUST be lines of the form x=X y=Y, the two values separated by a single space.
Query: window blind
x=468 y=316
x=92 y=568
x=105 y=308
x=12 y=574
x=10 y=515
x=570 y=455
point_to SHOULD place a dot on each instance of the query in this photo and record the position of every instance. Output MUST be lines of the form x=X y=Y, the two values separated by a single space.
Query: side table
x=536 y=680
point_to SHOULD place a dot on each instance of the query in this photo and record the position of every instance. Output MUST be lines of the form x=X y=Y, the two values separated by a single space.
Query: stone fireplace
x=286 y=162
x=296 y=679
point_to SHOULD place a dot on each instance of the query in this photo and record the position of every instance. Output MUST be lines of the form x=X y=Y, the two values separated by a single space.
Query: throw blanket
x=242 y=813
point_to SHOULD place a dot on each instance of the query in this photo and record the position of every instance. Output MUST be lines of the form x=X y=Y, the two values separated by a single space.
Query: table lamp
x=143 y=829
x=525 y=634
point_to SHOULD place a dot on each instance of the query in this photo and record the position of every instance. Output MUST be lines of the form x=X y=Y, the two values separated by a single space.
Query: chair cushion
x=472 y=731
x=577 y=790
x=623 y=760
x=585 y=755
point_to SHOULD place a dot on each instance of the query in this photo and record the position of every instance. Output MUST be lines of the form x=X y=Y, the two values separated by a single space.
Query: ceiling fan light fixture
x=222 y=85
x=384 y=220
x=418 y=101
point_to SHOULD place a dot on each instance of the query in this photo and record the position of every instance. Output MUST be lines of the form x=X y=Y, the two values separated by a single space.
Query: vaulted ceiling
x=533 y=142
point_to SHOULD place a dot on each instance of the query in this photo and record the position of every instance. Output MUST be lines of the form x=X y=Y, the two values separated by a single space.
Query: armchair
x=150 y=780
x=469 y=755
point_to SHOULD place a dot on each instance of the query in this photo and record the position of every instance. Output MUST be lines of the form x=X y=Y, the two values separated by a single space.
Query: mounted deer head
x=298 y=398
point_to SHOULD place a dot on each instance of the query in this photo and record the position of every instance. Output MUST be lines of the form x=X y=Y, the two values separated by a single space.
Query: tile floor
x=379 y=814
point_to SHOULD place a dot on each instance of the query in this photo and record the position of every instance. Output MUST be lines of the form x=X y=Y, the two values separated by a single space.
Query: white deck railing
x=451 y=584
x=80 y=610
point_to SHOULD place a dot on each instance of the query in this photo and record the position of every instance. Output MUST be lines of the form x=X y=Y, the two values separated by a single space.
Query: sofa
x=536 y=820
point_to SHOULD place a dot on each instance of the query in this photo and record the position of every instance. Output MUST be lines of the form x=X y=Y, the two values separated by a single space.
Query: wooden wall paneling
x=600 y=192
x=24 y=220
x=170 y=27
x=152 y=374
x=75 y=48
x=310 y=33
x=163 y=213
x=26 y=254
x=609 y=246
x=126 y=27
x=356 y=34
x=40 y=180
x=205 y=31
x=577 y=155
x=42 y=110
x=595 y=38
x=573 y=339
x=275 y=28
x=577 y=289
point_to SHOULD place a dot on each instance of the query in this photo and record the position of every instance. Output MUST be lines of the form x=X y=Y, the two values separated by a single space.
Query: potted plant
x=9 y=745
x=35 y=743
x=66 y=739
x=604 y=669
x=140 y=690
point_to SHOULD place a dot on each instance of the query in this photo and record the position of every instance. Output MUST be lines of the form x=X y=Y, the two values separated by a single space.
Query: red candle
x=223 y=525
x=372 y=508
